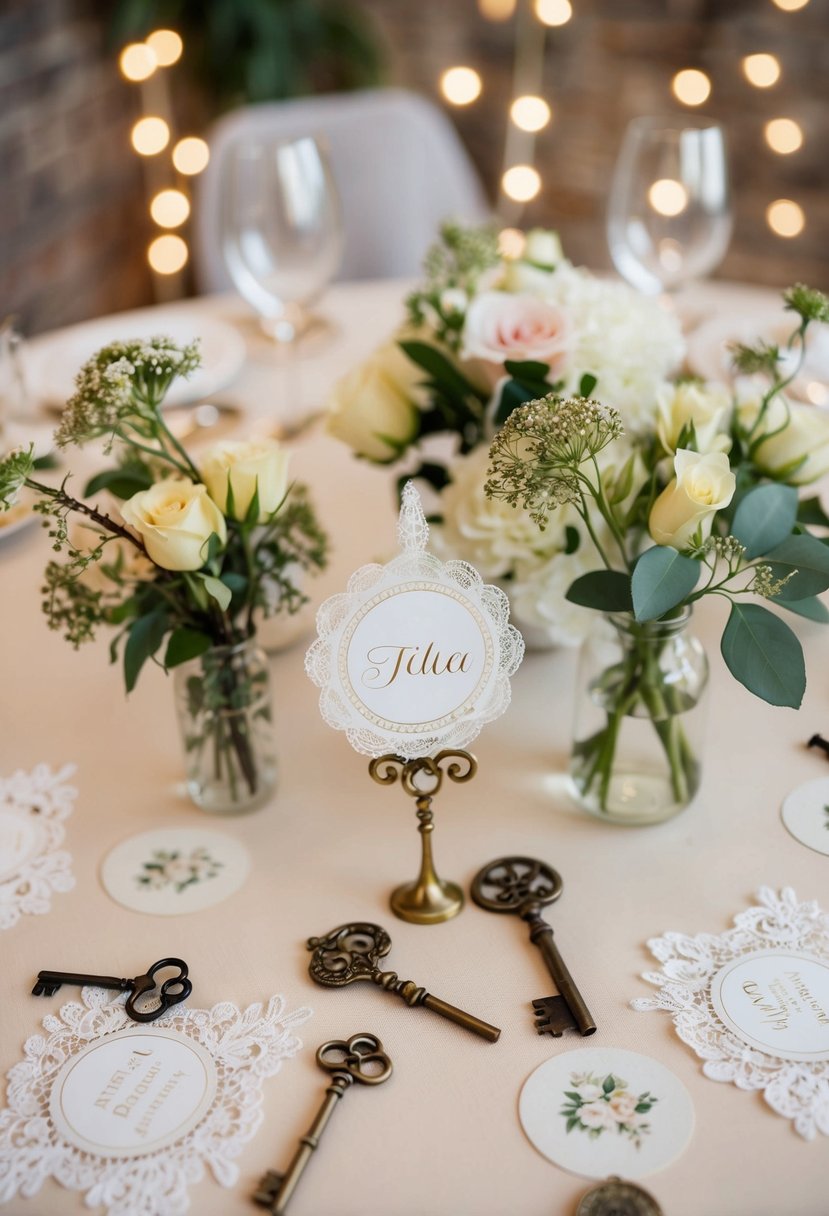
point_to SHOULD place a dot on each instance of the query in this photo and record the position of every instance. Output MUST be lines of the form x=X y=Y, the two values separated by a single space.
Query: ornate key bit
x=269 y=1188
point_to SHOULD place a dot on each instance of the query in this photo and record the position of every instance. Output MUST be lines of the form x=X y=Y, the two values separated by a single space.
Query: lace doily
x=797 y=1090
x=414 y=569
x=33 y=807
x=246 y=1046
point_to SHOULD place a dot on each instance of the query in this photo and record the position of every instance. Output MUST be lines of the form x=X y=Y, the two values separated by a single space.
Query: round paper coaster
x=169 y=871
x=806 y=814
x=605 y=1111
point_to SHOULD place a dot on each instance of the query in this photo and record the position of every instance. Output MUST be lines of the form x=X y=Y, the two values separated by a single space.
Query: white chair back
x=399 y=165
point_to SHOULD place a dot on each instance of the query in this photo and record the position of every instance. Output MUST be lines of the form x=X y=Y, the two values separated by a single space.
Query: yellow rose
x=175 y=519
x=373 y=409
x=708 y=406
x=799 y=453
x=703 y=485
x=248 y=466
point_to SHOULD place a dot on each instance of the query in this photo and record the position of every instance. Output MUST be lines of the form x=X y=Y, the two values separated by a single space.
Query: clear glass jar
x=639 y=720
x=223 y=701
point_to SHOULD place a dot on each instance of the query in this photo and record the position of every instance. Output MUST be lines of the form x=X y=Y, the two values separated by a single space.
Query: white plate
x=708 y=353
x=53 y=361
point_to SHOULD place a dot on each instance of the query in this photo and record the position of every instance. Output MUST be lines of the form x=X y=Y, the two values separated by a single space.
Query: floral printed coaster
x=605 y=1111
x=169 y=871
x=33 y=808
x=753 y=1003
x=806 y=814
x=133 y=1115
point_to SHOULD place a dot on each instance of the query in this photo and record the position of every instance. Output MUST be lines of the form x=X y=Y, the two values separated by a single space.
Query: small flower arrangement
x=196 y=547
x=604 y=1104
x=170 y=869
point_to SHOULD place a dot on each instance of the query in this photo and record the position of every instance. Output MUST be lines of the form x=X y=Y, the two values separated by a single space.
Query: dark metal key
x=360 y=1058
x=171 y=992
x=524 y=886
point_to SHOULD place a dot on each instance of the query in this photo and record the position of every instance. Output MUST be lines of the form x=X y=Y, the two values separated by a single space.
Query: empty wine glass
x=669 y=215
x=281 y=228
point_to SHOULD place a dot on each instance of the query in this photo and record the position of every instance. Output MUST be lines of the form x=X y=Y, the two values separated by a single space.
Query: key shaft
x=414 y=995
x=542 y=936
x=276 y=1190
x=48 y=982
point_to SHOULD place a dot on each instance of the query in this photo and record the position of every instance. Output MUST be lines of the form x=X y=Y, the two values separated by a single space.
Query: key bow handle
x=362 y=1057
x=173 y=990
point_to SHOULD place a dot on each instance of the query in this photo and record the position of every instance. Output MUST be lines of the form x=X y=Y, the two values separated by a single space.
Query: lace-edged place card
x=131 y=1115
x=753 y=1003
x=33 y=809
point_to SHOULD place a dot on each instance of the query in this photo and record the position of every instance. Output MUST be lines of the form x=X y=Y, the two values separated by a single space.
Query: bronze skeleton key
x=172 y=991
x=524 y=886
x=360 y=1058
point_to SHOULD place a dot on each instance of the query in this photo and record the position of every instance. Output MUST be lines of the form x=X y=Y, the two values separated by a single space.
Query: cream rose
x=501 y=326
x=703 y=485
x=799 y=453
x=256 y=465
x=373 y=408
x=707 y=406
x=543 y=248
x=175 y=519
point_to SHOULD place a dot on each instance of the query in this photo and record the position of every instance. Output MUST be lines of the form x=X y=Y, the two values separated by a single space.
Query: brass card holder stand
x=429 y=900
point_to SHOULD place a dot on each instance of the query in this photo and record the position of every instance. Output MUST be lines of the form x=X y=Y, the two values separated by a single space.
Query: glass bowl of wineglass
x=669 y=213
x=281 y=229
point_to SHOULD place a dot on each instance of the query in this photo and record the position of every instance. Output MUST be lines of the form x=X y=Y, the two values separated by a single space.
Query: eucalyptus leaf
x=123 y=483
x=812 y=608
x=763 y=653
x=145 y=636
x=811 y=513
x=765 y=517
x=807 y=560
x=662 y=579
x=605 y=590
x=440 y=369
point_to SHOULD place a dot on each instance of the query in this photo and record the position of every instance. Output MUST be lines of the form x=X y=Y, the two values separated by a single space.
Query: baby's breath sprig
x=452 y=267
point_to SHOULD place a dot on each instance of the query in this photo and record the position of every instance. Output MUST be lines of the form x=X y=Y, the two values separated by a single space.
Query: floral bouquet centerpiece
x=705 y=506
x=485 y=333
x=197 y=549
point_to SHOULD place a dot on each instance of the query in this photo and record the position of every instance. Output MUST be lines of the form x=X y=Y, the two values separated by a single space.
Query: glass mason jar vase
x=223 y=702
x=639 y=720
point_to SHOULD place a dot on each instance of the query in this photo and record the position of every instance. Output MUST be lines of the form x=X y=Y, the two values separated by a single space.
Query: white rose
x=175 y=519
x=542 y=247
x=703 y=485
x=799 y=453
x=501 y=326
x=597 y=1115
x=707 y=406
x=373 y=408
x=251 y=466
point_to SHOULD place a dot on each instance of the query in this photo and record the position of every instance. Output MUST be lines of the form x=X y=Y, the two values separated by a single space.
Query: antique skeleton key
x=48 y=982
x=524 y=886
x=360 y=1058
x=352 y=952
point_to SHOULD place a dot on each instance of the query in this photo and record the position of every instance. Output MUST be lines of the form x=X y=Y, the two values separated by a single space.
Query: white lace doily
x=797 y=1090
x=246 y=1046
x=33 y=807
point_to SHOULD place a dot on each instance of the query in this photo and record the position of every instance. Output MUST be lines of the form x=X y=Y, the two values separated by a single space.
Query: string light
x=530 y=113
x=785 y=218
x=150 y=136
x=511 y=242
x=496 y=10
x=190 y=155
x=137 y=62
x=691 y=86
x=553 y=12
x=166 y=45
x=668 y=197
x=761 y=70
x=170 y=208
x=521 y=183
x=790 y=6
x=783 y=135
x=460 y=86
x=167 y=254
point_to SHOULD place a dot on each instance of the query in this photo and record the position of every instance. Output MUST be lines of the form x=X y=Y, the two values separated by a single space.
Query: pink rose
x=501 y=326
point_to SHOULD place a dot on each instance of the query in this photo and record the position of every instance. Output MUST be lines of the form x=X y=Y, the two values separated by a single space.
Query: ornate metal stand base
x=429 y=900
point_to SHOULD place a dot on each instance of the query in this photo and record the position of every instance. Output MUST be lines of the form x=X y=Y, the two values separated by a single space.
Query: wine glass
x=281 y=228
x=669 y=214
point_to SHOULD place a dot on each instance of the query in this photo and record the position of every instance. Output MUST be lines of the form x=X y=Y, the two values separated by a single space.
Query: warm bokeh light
x=511 y=242
x=137 y=61
x=790 y=6
x=530 y=113
x=150 y=136
x=167 y=254
x=521 y=183
x=166 y=45
x=460 y=85
x=817 y=392
x=191 y=155
x=668 y=197
x=553 y=12
x=783 y=135
x=785 y=218
x=496 y=10
x=691 y=86
x=761 y=70
x=170 y=208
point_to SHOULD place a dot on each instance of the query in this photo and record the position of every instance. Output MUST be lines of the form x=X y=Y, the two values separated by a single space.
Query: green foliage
x=662 y=580
x=765 y=517
x=762 y=653
x=15 y=467
x=605 y=590
x=144 y=637
x=185 y=644
x=809 y=304
x=805 y=561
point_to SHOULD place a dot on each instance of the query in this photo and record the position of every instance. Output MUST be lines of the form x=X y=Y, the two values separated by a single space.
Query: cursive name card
x=776 y=1001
